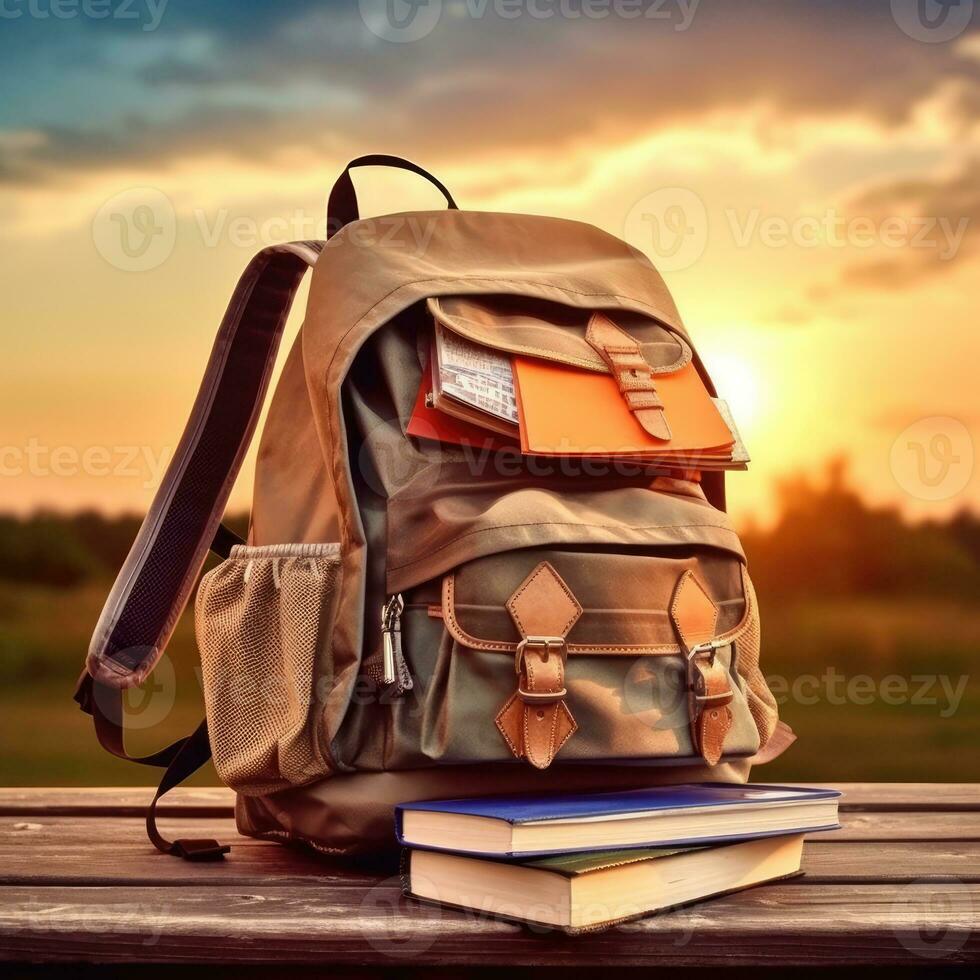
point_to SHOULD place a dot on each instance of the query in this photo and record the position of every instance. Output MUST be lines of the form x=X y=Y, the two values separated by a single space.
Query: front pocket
x=625 y=672
x=263 y=620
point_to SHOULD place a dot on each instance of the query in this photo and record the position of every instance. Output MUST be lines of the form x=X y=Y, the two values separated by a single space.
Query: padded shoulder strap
x=158 y=576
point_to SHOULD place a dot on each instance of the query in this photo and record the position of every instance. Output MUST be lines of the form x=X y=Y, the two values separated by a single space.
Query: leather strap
x=535 y=722
x=633 y=373
x=180 y=760
x=695 y=617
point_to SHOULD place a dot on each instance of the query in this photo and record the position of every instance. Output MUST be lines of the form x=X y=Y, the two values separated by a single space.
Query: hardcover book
x=703 y=813
x=594 y=890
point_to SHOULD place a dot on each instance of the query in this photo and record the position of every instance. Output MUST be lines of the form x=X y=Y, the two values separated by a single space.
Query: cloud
x=937 y=217
x=235 y=78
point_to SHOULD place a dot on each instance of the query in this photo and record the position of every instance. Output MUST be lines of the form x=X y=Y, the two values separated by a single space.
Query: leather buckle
x=545 y=643
x=706 y=651
x=548 y=645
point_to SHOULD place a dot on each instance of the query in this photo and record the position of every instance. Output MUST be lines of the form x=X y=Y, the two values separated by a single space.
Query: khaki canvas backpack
x=410 y=619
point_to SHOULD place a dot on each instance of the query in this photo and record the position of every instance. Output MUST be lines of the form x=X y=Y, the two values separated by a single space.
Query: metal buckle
x=708 y=648
x=545 y=643
x=724 y=698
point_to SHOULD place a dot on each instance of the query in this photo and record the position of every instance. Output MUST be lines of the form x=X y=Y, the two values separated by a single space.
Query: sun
x=736 y=379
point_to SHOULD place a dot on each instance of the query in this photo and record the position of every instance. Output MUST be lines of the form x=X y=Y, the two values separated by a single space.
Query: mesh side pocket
x=762 y=704
x=263 y=619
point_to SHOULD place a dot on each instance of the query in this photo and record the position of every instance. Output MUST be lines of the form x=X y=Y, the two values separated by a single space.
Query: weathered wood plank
x=906 y=825
x=64 y=850
x=218 y=801
x=934 y=797
x=922 y=924
x=98 y=801
x=828 y=861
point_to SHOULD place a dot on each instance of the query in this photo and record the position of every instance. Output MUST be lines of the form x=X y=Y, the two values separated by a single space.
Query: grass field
x=876 y=689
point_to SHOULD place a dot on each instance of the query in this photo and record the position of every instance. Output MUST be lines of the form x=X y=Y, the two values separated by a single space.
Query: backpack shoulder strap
x=184 y=522
x=159 y=574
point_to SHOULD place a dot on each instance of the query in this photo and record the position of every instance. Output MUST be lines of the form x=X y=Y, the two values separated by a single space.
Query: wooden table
x=899 y=884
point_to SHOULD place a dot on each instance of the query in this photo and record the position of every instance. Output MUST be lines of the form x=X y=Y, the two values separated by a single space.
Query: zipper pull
x=393 y=664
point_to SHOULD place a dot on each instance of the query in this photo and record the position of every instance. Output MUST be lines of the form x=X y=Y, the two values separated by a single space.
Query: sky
x=805 y=175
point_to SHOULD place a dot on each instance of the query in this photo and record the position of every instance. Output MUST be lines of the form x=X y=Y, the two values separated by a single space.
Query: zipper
x=394 y=669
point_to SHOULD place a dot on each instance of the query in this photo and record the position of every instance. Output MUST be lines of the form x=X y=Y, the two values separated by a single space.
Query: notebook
x=595 y=890
x=568 y=411
x=700 y=813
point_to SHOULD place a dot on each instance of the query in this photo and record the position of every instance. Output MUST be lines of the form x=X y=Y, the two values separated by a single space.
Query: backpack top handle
x=342 y=203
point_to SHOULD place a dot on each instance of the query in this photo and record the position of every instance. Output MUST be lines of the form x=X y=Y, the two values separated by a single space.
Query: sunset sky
x=805 y=173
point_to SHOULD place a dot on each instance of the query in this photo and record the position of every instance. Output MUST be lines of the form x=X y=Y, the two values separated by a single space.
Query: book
x=428 y=422
x=473 y=383
x=583 y=892
x=523 y=825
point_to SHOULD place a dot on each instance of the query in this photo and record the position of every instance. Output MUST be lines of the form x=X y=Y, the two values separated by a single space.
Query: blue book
x=701 y=813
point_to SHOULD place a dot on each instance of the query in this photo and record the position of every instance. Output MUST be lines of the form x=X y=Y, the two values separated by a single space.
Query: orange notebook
x=568 y=411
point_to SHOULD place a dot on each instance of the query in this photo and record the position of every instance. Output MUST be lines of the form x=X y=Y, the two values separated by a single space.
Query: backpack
x=411 y=619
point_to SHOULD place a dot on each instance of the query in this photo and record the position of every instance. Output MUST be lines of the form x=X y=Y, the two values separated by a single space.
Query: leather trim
x=485 y=645
x=535 y=722
x=538 y=582
x=683 y=618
